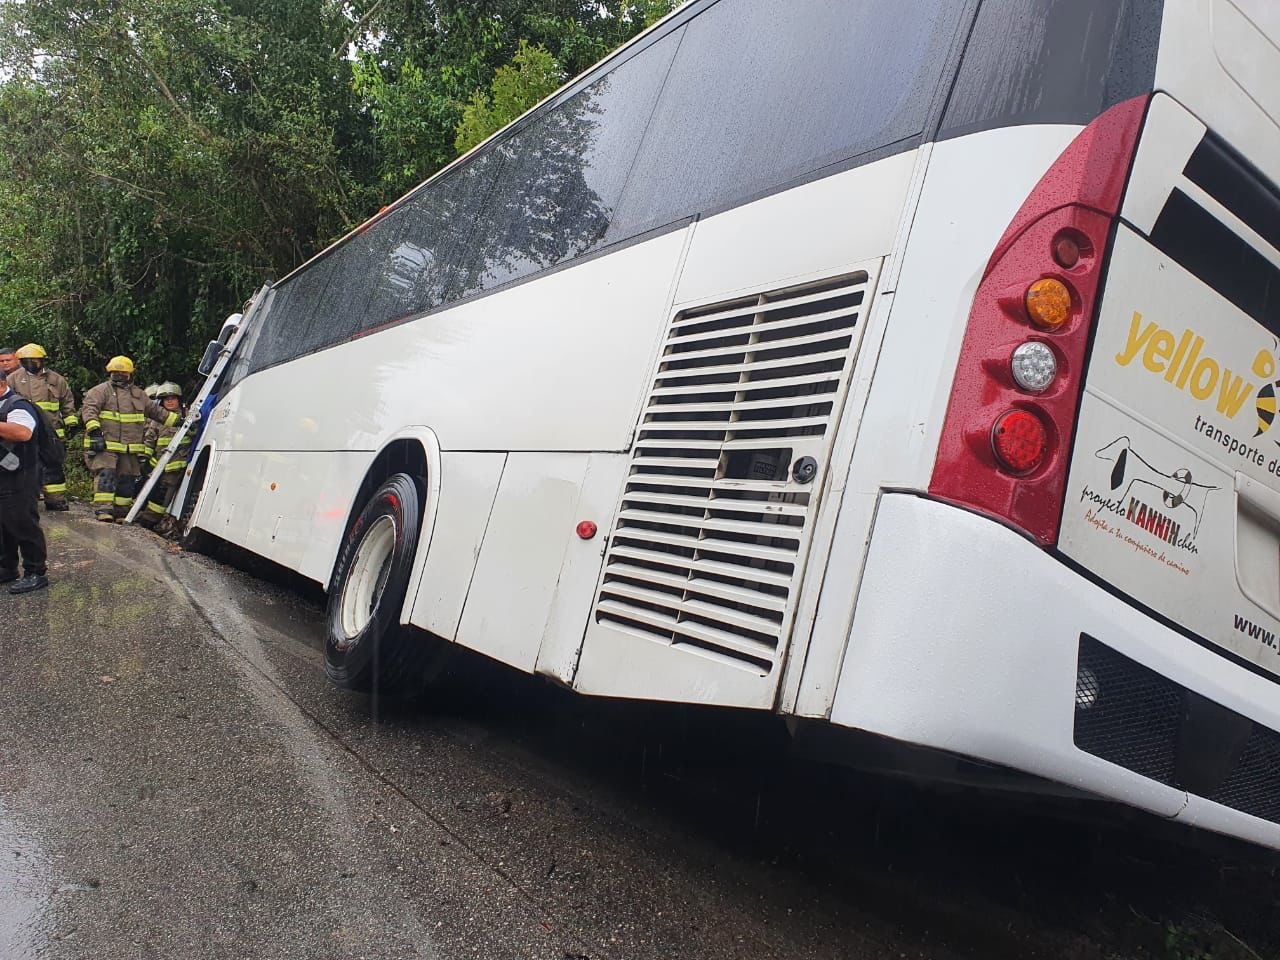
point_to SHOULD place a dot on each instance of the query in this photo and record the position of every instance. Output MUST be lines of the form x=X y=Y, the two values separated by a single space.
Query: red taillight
x=1019 y=440
x=586 y=529
x=1001 y=452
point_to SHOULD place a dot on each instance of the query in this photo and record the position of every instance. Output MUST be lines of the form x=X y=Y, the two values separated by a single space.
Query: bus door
x=704 y=564
x=1174 y=494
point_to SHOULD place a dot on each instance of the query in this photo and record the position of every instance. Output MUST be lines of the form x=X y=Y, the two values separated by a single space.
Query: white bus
x=906 y=367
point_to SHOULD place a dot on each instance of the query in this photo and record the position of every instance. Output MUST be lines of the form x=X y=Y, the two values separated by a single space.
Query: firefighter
x=158 y=438
x=48 y=390
x=114 y=414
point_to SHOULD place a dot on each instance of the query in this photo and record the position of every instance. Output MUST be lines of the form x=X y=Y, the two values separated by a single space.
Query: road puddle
x=22 y=892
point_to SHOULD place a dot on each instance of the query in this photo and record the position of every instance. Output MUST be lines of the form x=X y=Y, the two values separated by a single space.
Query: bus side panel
x=818 y=234
x=973 y=187
x=524 y=546
x=468 y=488
x=533 y=565
x=814 y=230
x=580 y=569
x=504 y=547
x=290 y=508
x=559 y=363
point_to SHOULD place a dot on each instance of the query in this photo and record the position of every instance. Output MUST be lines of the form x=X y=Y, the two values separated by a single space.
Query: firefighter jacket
x=157 y=439
x=48 y=391
x=121 y=413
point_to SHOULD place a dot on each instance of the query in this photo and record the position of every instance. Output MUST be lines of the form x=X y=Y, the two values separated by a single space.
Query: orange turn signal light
x=1048 y=303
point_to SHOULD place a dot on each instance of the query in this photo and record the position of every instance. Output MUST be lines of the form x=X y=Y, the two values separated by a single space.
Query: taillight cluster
x=1004 y=447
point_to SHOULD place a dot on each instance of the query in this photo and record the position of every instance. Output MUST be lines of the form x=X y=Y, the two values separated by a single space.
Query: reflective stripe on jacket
x=121 y=413
x=157 y=441
x=49 y=391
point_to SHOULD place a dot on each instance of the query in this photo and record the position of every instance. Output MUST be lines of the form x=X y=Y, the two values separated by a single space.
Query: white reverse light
x=1034 y=366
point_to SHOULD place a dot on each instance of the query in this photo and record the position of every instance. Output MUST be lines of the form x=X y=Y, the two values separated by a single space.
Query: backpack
x=50 y=450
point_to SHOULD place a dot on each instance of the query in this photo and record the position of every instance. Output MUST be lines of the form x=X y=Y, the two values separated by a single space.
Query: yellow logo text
x=1184 y=364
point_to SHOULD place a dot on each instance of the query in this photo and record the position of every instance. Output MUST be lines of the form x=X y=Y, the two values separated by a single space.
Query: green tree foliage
x=162 y=158
x=423 y=61
x=532 y=75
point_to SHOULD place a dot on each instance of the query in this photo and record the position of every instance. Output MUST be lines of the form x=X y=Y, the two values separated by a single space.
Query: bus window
x=761 y=93
x=291 y=324
x=563 y=174
x=1074 y=59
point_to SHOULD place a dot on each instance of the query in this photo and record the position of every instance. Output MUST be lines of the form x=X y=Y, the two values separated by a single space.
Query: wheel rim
x=370 y=568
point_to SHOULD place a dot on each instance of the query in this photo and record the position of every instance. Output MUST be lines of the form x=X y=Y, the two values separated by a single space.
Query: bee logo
x=1264 y=367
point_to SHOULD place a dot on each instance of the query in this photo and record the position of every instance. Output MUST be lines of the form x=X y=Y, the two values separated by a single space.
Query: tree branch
x=357 y=27
x=152 y=195
x=165 y=92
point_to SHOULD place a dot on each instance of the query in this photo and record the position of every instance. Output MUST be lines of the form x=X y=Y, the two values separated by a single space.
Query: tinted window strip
x=649 y=233
x=565 y=172
x=620 y=56
x=1217 y=255
x=1237 y=186
x=1052 y=61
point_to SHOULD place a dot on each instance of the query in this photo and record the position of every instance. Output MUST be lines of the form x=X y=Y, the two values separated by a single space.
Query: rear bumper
x=967 y=638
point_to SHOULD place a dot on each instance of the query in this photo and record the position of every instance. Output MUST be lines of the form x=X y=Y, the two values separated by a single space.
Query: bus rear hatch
x=1173 y=497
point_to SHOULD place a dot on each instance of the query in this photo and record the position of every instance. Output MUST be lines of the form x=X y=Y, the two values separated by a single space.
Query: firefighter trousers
x=55 y=488
x=160 y=498
x=115 y=481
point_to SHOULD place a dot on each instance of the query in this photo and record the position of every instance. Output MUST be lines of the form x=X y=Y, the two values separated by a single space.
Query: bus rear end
x=1089 y=590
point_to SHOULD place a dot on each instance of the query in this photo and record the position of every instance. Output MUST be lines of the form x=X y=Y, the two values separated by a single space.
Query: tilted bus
x=906 y=367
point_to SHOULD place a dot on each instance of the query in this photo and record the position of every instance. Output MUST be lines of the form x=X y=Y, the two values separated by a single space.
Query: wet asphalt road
x=178 y=779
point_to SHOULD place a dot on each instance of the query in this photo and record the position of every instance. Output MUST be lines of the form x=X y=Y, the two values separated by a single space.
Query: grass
x=79 y=480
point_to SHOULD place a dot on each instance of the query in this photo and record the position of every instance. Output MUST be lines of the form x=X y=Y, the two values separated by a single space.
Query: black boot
x=32 y=581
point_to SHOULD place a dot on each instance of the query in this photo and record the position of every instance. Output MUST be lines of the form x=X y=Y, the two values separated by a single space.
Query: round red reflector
x=1019 y=440
x=587 y=529
x=1066 y=251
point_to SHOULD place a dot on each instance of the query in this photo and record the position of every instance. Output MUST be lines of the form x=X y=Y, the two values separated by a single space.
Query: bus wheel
x=366 y=648
x=192 y=539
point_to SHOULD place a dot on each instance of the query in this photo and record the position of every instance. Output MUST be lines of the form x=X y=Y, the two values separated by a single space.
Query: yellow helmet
x=168 y=389
x=120 y=365
x=32 y=351
x=150 y=390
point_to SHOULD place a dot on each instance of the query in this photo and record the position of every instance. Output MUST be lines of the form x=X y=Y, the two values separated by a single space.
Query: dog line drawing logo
x=1178 y=491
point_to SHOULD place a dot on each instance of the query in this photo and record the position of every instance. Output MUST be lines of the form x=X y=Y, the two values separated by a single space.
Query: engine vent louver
x=711 y=533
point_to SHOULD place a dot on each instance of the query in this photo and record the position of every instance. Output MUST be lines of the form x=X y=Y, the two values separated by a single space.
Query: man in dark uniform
x=20 y=532
x=8 y=360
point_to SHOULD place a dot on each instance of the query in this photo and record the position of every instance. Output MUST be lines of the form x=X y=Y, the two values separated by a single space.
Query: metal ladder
x=193 y=414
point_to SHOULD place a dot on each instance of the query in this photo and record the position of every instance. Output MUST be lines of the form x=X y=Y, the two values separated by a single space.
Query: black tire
x=191 y=539
x=366 y=648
